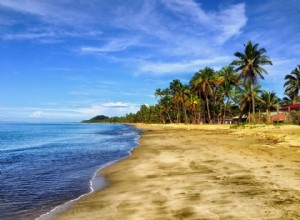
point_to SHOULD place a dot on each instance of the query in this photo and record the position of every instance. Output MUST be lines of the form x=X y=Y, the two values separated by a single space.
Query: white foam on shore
x=98 y=182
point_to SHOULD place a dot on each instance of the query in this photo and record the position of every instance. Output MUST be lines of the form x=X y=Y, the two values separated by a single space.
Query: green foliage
x=250 y=64
x=98 y=118
x=292 y=85
x=214 y=96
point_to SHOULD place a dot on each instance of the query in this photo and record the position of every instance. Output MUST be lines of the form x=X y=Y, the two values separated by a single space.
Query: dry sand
x=202 y=172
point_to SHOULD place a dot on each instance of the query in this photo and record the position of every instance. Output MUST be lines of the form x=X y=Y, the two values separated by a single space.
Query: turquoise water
x=45 y=165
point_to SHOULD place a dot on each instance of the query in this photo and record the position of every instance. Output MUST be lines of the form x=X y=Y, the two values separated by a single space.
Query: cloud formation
x=138 y=45
x=113 y=45
x=182 y=67
x=55 y=11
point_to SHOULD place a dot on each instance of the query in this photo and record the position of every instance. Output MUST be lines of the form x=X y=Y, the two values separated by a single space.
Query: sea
x=44 y=167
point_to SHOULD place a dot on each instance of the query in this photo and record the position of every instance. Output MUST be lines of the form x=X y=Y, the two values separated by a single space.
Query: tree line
x=213 y=96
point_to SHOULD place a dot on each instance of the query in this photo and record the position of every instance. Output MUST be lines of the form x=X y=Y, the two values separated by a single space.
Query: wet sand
x=202 y=172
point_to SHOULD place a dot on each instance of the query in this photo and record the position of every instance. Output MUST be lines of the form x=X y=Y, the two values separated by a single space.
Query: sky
x=69 y=60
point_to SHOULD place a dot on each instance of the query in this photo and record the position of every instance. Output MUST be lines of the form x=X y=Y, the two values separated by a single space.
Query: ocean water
x=45 y=165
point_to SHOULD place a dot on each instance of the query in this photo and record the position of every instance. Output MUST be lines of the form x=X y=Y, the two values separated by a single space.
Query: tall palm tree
x=292 y=84
x=203 y=81
x=269 y=101
x=250 y=64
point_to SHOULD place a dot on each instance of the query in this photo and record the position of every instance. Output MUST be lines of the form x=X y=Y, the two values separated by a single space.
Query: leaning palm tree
x=292 y=84
x=250 y=63
x=269 y=101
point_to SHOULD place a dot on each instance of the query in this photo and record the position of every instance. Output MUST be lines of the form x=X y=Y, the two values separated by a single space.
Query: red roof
x=295 y=106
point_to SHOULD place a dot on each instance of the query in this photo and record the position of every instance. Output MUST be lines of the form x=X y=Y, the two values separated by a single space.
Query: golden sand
x=202 y=172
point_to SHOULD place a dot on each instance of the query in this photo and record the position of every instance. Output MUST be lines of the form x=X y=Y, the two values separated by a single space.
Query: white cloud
x=50 y=35
x=228 y=22
x=187 y=8
x=113 y=45
x=51 y=11
x=27 y=36
x=182 y=67
x=116 y=104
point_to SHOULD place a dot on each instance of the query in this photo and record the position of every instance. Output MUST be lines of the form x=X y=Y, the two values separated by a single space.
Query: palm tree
x=229 y=81
x=269 y=101
x=202 y=82
x=245 y=94
x=165 y=103
x=292 y=84
x=289 y=99
x=177 y=90
x=250 y=63
x=192 y=103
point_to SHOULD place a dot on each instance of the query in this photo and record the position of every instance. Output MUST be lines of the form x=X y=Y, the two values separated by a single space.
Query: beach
x=201 y=172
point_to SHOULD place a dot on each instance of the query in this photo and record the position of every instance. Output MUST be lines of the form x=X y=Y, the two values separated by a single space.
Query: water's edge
x=97 y=182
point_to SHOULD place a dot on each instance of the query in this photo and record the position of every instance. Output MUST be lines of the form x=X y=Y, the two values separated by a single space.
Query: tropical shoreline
x=96 y=183
x=228 y=173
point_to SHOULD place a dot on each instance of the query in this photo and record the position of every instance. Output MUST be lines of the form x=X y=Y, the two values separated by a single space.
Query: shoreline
x=226 y=181
x=96 y=179
x=97 y=182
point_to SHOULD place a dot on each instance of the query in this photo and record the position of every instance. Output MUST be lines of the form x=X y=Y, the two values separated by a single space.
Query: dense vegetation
x=213 y=96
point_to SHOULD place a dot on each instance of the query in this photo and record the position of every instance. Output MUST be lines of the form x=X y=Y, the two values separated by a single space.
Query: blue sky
x=68 y=60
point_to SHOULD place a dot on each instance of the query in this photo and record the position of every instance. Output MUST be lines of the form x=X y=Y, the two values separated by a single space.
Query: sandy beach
x=202 y=172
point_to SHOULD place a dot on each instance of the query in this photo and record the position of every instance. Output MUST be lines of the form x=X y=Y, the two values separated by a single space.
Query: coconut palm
x=244 y=96
x=269 y=101
x=289 y=99
x=250 y=65
x=292 y=84
x=165 y=103
x=177 y=90
x=229 y=81
x=192 y=103
x=202 y=82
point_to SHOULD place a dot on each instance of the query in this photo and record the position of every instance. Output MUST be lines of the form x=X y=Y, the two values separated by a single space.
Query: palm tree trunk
x=225 y=108
x=178 y=113
x=185 y=114
x=199 y=116
x=208 y=111
x=252 y=96
x=214 y=110
x=169 y=116
x=268 y=115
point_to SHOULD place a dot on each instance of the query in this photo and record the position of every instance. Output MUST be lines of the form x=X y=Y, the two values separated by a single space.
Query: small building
x=239 y=119
x=228 y=121
x=277 y=117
